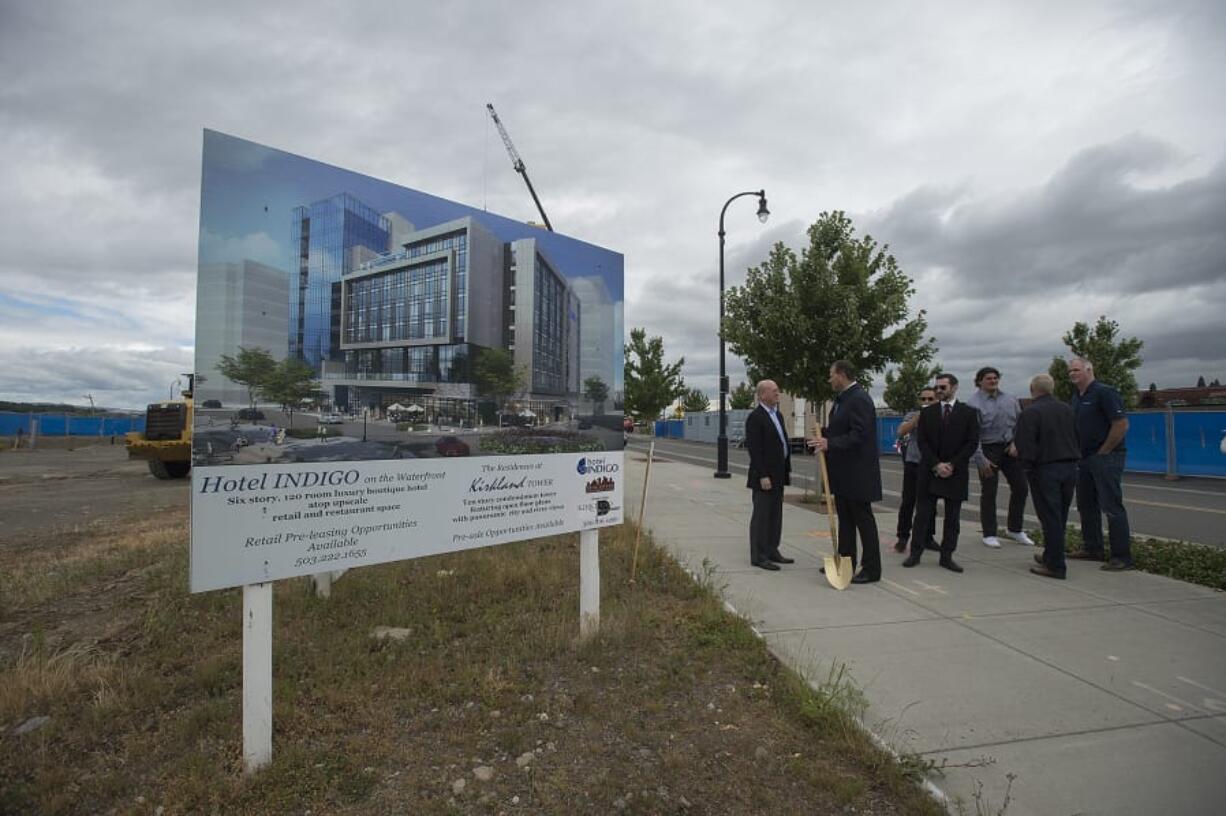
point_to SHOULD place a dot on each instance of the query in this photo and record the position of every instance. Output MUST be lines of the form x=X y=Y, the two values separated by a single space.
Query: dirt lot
x=99 y=481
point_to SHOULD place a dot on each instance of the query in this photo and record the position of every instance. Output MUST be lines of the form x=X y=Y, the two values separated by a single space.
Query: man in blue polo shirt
x=1101 y=427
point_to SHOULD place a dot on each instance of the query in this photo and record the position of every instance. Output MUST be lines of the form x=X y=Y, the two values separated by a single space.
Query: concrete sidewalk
x=1102 y=694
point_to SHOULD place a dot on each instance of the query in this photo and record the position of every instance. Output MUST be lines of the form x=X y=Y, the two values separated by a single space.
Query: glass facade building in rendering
x=328 y=240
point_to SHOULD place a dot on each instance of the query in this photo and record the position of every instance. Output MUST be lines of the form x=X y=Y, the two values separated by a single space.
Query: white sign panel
x=261 y=523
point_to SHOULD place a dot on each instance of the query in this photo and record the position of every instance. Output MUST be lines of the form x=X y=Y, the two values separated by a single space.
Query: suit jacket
x=852 y=457
x=766 y=451
x=953 y=440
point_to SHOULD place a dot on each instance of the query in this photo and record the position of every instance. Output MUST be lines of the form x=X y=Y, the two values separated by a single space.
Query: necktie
x=945 y=409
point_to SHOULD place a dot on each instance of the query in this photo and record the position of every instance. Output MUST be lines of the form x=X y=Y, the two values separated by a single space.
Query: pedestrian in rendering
x=998 y=413
x=850 y=443
x=948 y=433
x=910 y=468
x=1045 y=442
x=1101 y=428
x=770 y=468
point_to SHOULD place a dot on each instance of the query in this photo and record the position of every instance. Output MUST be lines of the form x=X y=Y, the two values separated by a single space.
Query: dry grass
x=675 y=707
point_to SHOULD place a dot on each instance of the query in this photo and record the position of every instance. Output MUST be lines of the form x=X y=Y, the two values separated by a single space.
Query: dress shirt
x=774 y=413
x=997 y=419
x=912 y=451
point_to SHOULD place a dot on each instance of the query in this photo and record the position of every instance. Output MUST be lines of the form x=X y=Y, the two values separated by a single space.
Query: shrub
x=526 y=440
x=1195 y=563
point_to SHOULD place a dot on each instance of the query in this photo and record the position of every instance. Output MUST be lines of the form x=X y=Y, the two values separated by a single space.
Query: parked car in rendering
x=451 y=446
x=251 y=414
x=211 y=404
x=331 y=419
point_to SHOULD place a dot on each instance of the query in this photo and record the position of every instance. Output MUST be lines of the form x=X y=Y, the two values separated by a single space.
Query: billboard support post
x=589 y=583
x=257 y=676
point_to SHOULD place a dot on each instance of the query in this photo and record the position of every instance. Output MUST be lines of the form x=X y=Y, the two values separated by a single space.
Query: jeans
x=1052 y=485
x=1014 y=475
x=1100 y=491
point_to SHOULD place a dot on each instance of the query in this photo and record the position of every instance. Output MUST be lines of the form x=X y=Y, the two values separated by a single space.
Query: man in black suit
x=948 y=434
x=770 y=468
x=850 y=441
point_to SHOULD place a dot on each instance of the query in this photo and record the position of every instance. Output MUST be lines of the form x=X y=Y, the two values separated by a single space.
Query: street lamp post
x=721 y=461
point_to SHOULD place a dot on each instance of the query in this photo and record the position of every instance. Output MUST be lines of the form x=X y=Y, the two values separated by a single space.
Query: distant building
x=1162 y=397
x=237 y=304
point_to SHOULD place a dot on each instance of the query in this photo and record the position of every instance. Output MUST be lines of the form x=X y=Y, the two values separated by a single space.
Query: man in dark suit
x=770 y=468
x=948 y=434
x=850 y=442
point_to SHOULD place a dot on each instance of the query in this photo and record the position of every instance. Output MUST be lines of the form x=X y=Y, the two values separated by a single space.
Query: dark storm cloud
x=1094 y=225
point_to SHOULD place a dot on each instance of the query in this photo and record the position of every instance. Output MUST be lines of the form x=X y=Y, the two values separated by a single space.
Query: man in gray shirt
x=998 y=413
x=910 y=468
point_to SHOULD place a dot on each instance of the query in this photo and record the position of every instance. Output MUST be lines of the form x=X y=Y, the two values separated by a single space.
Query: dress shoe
x=780 y=559
x=766 y=565
x=900 y=546
x=932 y=545
x=861 y=578
x=951 y=565
x=1116 y=565
x=1086 y=555
x=912 y=560
x=1047 y=572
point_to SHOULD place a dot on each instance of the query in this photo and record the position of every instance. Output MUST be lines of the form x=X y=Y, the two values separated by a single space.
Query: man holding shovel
x=850 y=443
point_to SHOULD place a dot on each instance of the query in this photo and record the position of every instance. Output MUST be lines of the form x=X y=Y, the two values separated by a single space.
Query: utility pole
x=90 y=397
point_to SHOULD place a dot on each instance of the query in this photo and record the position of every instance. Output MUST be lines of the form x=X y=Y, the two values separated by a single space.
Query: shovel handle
x=834 y=524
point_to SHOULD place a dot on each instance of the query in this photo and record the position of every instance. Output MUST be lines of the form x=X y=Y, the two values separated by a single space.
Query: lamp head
x=763 y=213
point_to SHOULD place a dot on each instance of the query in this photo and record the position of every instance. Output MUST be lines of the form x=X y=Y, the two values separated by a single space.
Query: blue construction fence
x=68 y=424
x=1180 y=443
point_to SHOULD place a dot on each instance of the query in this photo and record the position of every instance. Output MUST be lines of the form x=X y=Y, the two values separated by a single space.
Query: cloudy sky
x=1030 y=164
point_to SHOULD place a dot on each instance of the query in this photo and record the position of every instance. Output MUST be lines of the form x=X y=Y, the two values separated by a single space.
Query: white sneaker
x=991 y=541
x=1020 y=537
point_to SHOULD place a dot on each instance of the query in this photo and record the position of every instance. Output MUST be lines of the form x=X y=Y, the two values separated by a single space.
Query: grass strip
x=675 y=707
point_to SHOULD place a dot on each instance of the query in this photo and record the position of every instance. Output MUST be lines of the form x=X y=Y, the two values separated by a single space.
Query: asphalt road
x=1189 y=509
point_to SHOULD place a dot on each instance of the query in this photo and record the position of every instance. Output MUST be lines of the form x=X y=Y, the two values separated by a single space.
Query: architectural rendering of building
x=237 y=304
x=412 y=322
x=597 y=355
x=327 y=241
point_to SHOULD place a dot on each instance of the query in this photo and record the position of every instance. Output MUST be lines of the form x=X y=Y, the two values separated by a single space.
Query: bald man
x=770 y=468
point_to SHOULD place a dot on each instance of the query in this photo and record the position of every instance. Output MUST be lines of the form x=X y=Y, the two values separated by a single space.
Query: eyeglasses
x=942 y=388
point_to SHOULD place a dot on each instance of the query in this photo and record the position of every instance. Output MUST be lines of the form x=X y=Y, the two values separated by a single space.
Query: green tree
x=1200 y=381
x=292 y=381
x=1114 y=359
x=902 y=386
x=651 y=384
x=251 y=367
x=496 y=375
x=694 y=401
x=843 y=298
x=595 y=390
x=741 y=397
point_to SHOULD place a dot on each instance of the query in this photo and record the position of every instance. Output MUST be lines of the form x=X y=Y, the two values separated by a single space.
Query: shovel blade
x=838 y=571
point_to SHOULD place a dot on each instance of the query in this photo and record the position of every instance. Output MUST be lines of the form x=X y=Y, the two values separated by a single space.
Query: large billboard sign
x=384 y=374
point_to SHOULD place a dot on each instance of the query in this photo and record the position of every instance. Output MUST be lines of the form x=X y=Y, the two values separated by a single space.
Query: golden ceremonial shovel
x=838 y=567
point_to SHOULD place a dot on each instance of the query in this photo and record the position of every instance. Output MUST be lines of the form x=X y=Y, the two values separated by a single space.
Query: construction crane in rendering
x=517 y=162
